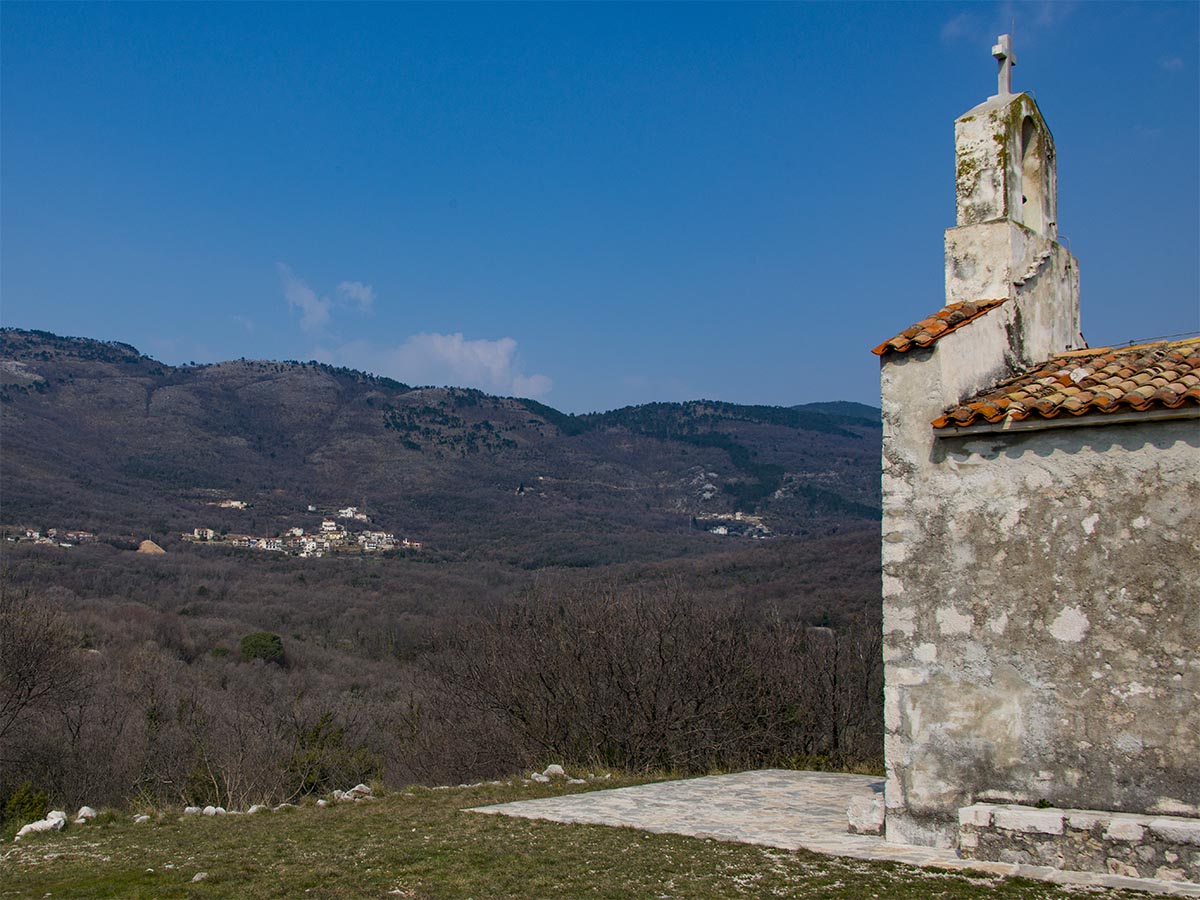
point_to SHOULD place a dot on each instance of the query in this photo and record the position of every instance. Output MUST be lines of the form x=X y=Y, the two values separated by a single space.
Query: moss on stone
x=967 y=167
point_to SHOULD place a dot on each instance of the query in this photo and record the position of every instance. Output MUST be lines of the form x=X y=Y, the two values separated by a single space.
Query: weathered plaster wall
x=1041 y=618
x=1046 y=314
x=994 y=144
x=1042 y=625
x=993 y=252
x=1004 y=259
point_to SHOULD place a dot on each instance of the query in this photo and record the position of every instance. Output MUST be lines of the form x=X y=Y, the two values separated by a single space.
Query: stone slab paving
x=786 y=809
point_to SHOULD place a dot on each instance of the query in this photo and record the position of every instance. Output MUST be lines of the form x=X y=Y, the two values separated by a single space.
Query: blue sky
x=596 y=205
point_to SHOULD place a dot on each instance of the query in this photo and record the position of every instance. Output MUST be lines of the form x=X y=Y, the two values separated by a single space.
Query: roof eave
x=1133 y=417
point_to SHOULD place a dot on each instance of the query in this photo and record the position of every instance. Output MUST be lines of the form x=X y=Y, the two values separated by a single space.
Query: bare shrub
x=649 y=678
x=39 y=666
x=123 y=681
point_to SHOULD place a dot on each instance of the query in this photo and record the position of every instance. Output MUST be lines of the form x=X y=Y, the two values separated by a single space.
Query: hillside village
x=331 y=537
x=54 y=537
x=736 y=524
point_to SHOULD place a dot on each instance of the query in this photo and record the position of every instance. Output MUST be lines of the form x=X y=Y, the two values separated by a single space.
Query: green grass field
x=421 y=844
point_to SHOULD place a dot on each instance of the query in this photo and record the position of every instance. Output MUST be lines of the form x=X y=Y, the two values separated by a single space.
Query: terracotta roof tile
x=1082 y=382
x=940 y=324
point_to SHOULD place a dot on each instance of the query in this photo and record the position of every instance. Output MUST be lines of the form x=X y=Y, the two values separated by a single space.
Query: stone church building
x=1041 y=546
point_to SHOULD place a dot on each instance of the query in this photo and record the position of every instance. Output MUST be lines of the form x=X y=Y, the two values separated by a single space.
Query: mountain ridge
x=100 y=431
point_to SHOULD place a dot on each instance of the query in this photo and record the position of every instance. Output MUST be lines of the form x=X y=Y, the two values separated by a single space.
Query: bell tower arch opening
x=1033 y=177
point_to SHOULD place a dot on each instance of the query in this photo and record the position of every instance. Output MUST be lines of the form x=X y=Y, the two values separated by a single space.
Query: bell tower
x=1004 y=158
x=1005 y=240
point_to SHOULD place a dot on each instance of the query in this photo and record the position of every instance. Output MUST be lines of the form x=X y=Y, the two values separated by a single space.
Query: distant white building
x=328 y=526
x=377 y=540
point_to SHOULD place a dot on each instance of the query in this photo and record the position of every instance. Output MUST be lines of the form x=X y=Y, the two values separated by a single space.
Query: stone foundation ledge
x=1082 y=840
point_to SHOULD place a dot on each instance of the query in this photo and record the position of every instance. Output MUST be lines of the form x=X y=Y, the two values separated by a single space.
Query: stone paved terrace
x=781 y=808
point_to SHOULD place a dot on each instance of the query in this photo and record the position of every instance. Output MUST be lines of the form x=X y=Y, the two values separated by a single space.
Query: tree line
x=641 y=674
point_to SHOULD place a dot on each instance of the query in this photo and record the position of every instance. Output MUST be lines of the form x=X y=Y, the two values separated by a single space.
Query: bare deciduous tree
x=39 y=667
x=650 y=678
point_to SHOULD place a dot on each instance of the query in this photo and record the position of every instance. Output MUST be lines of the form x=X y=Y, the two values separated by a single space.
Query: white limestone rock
x=1176 y=830
x=979 y=815
x=85 y=815
x=554 y=771
x=209 y=811
x=42 y=825
x=191 y=810
x=199 y=876
x=359 y=790
x=256 y=808
x=141 y=820
x=1123 y=828
x=322 y=803
x=1117 y=867
x=539 y=778
x=1028 y=820
x=866 y=814
x=1086 y=820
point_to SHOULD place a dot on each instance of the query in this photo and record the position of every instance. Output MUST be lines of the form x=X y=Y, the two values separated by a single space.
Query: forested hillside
x=100 y=437
x=681 y=586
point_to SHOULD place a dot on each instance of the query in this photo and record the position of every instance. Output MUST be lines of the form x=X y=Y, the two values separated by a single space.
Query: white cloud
x=1024 y=21
x=427 y=358
x=958 y=27
x=449 y=359
x=1047 y=13
x=314 y=310
x=1172 y=64
x=357 y=292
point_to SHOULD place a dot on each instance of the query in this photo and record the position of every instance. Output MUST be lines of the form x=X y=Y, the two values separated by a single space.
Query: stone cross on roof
x=1007 y=59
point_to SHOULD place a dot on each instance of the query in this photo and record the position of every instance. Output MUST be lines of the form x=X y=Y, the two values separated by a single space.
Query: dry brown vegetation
x=570 y=600
x=409 y=672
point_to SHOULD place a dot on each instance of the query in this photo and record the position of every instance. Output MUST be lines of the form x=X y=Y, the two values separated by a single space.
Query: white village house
x=1041 y=546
